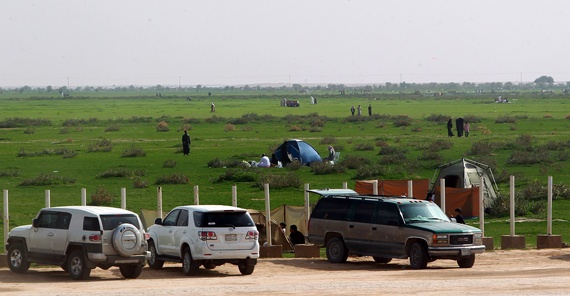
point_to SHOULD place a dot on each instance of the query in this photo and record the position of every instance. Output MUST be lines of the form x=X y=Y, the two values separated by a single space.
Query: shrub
x=276 y=181
x=140 y=183
x=112 y=128
x=169 y=163
x=172 y=179
x=229 y=127
x=101 y=197
x=363 y=147
x=354 y=161
x=103 y=145
x=324 y=168
x=133 y=152
x=236 y=175
x=162 y=126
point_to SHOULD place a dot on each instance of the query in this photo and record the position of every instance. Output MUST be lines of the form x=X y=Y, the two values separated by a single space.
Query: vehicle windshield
x=222 y=219
x=111 y=222
x=422 y=212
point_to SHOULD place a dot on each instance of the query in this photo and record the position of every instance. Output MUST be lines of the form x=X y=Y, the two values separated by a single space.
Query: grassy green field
x=245 y=125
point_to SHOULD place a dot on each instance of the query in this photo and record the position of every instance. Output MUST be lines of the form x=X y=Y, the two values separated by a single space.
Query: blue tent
x=297 y=149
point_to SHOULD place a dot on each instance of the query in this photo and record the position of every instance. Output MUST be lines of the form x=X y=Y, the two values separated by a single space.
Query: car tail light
x=207 y=235
x=95 y=238
x=252 y=234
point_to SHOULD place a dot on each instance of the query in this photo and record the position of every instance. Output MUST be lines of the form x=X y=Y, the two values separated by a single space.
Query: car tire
x=189 y=265
x=336 y=250
x=246 y=267
x=418 y=256
x=126 y=239
x=131 y=271
x=382 y=260
x=153 y=262
x=466 y=262
x=77 y=265
x=18 y=258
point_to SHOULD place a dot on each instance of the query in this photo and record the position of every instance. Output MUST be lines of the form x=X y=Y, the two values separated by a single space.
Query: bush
x=236 y=175
x=276 y=181
x=133 y=152
x=162 y=127
x=169 y=163
x=172 y=179
x=324 y=168
x=354 y=161
x=103 y=145
x=101 y=197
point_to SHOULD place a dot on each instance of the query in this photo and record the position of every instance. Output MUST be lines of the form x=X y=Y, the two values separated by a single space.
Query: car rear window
x=111 y=222
x=222 y=219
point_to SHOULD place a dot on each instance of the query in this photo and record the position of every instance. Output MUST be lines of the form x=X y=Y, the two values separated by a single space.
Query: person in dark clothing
x=449 y=127
x=186 y=143
x=296 y=237
x=458 y=217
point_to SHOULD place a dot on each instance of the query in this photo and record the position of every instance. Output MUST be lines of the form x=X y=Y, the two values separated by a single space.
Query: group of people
x=462 y=127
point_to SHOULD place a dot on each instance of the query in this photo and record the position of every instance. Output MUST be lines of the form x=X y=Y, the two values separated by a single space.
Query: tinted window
x=91 y=224
x=111 y=222
x=182 y=218
x=331 y=208
x=363 y=210
x=222 y=219
x=171 y=218
x=387 y=212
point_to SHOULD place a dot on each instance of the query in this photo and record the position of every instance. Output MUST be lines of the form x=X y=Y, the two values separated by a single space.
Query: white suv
x=204 y=235
x=80 y=238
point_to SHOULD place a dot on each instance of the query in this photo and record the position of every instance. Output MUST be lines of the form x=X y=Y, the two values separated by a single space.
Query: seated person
x=331 y=153
x=296 y=237
x=264 y=162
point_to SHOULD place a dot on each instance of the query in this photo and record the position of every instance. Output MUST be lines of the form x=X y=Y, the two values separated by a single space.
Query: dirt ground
x=500 y=272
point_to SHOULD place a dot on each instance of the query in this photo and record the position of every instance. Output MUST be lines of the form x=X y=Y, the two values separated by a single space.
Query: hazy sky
x=235 y=42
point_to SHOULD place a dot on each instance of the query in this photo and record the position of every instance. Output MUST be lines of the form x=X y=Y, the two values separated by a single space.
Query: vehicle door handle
x=51 y=234
x=351 y=226
x=373 y=228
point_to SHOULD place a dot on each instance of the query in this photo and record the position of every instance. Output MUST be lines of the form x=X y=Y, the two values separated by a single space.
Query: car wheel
x=246 y=267
x=382 y=260
x=77 y=266
x=418 y=256
x=126 y=239
x=336 y=250
x=189 y=266
x=466 y=262
x=18 y=258
x=153 y=262
x=131 y=271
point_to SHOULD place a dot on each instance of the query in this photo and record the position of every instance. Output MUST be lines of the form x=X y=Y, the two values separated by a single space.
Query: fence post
x=267 y=214
x=48 y=197
x=123 y=198
x=83 y=196
x=234 y=195
x=159 y=202
x=196 y=195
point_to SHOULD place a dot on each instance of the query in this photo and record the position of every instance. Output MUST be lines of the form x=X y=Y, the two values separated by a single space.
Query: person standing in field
x=186 y=143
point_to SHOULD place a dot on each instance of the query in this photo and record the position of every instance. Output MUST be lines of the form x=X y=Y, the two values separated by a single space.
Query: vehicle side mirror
x=35 y=222
x=158 y=221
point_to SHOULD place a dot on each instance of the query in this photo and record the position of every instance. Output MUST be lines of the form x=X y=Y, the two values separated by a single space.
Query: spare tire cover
x=126 y=239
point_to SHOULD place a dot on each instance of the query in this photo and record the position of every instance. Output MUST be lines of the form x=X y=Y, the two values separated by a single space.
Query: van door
x=360 y=226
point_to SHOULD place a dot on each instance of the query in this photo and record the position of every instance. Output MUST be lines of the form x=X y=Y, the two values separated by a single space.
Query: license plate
x=465 y=252
x=231 y=237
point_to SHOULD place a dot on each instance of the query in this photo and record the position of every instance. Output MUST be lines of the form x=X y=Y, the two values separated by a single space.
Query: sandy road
x=510 y=272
